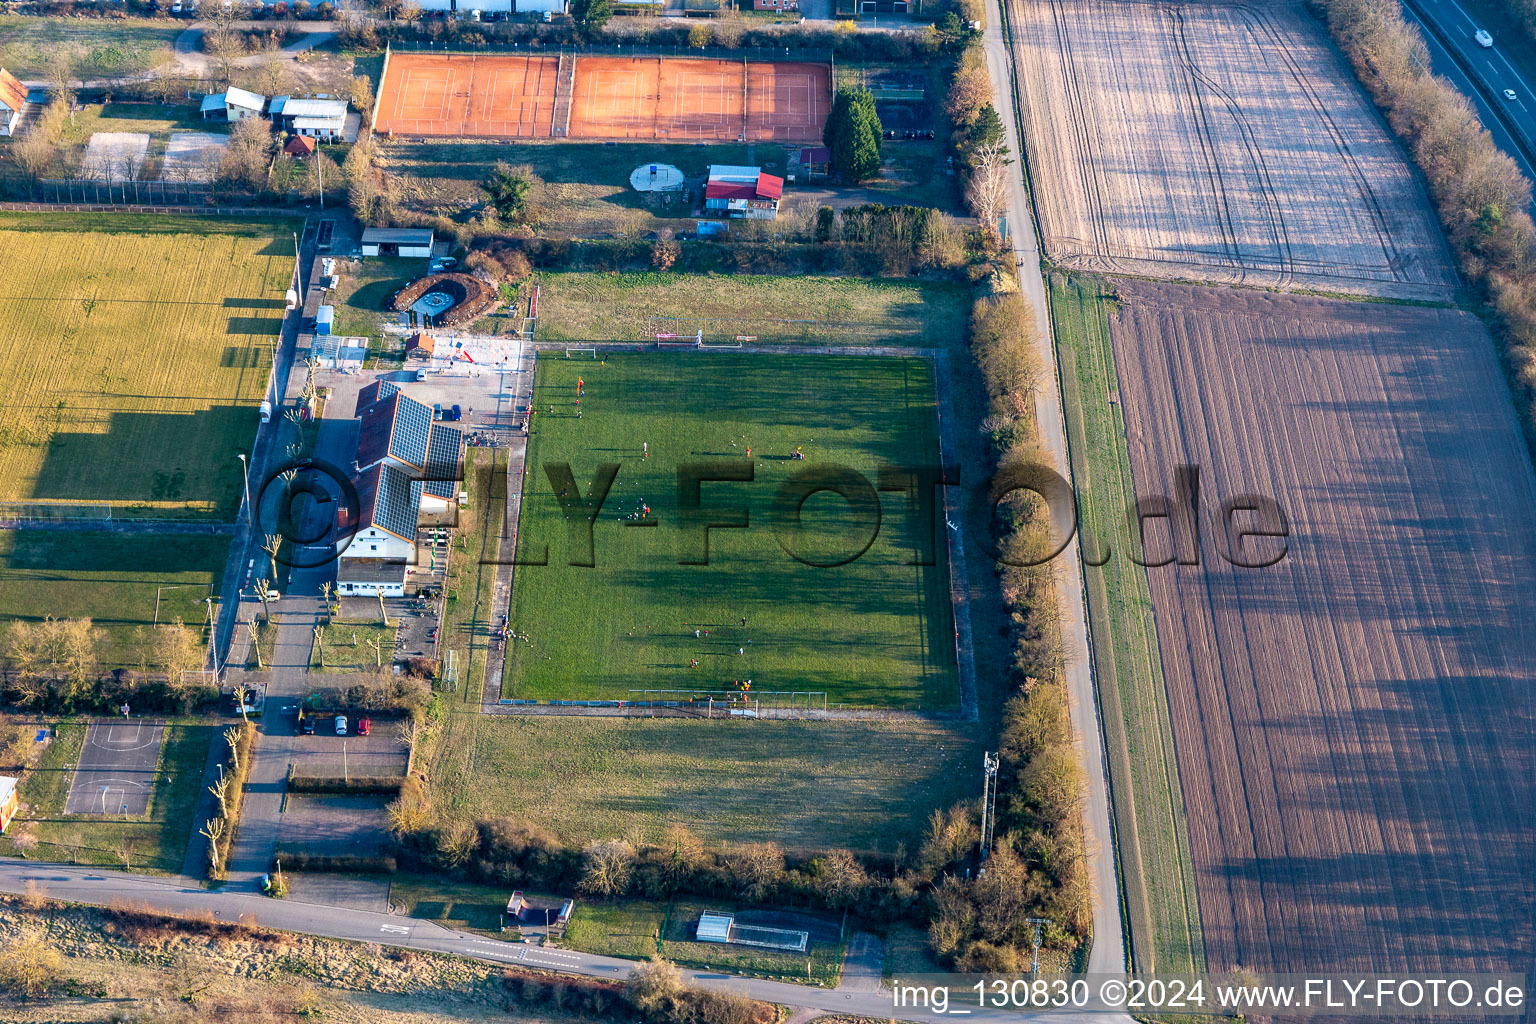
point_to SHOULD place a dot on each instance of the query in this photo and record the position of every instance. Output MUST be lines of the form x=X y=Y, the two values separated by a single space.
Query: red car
x=362 y=726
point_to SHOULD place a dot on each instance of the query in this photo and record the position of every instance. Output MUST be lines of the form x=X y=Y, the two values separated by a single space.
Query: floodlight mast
x=989 y=763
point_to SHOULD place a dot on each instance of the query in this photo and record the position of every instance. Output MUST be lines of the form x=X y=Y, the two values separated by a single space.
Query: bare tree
x=220 y=791
x=606 y=867
x=988 y=189
x=213 y=831
x=232 y=737
x=63 y=64
x=255 y=642
x=32 y=153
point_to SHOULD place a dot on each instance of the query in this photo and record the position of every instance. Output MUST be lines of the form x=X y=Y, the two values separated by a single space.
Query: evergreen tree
x=853 y=134
x=591 y=15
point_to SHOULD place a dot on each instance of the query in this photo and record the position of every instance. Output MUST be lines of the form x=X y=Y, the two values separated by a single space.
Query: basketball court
x=682 y=99
x=467 y=95
x=116 y=772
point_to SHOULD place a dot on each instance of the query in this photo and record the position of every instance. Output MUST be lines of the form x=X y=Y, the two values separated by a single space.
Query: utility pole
x=989 y=762
x=1034 y=963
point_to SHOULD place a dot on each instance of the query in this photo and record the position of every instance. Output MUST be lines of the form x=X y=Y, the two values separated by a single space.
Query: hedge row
x=356 y=784
x=220 y=830
x=340 y=863
x=1479 y=192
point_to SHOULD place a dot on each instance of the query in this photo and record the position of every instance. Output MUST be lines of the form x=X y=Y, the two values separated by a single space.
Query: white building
x=234 y=104
x=397 y=242
x=541 y=6
x=324 y=119
x=408 y=466
x=13 y=97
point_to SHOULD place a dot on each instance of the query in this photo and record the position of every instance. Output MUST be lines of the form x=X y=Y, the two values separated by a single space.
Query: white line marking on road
x=394 y=929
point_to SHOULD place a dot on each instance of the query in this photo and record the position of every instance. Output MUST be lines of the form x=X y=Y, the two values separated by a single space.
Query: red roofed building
x=743 y=192
x=13 y=97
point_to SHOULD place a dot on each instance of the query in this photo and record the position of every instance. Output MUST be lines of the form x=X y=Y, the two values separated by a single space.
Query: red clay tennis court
x=699 y=100
x=468 y=95
x=688 y=100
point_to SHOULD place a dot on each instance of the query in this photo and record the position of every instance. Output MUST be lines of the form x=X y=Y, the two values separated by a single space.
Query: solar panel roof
x=443 y=474
x=409 y=439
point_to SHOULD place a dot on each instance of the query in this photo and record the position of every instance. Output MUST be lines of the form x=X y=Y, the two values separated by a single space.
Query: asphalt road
x=1108 y=952
x=176 y=895
x=1447 y=22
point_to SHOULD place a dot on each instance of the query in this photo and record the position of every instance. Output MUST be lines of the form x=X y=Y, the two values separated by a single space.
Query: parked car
x=421 y=375
x=363 y=725
x=456 y=414
x=307 y=724
x=341 y=725
x=437 y=411
x=1484 y=39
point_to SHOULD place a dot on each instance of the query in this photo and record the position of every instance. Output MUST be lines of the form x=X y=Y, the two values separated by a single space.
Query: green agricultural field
x=1160 y=898
x=808 y=785
x=113 y=578
x=156 y=841
x=103 y=47
x=789 y=310
x=875 y=631
x=135 y=351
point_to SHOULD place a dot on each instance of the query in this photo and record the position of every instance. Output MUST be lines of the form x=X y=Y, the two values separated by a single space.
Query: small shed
x=714 y=927
x=538 y=911
x=325 y=319
x=420 y=346
x=397 y=242
x=300 y=146
x=10 y=800
x=541 y=6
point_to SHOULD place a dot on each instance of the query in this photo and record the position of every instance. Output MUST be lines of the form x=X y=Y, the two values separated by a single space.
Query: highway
x=1448 y=23
x=177 y=895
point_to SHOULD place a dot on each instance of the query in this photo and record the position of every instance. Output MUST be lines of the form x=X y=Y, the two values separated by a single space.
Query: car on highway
x=1509 y=94
x=363 y=725
x=1484 y=39
x=341 y=725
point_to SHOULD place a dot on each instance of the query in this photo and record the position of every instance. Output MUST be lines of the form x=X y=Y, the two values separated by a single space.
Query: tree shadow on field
x=152 y=457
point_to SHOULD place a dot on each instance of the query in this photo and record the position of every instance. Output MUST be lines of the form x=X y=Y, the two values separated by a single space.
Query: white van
x=266 y=412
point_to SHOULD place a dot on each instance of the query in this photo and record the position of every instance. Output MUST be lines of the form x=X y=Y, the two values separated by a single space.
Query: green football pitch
x=876 y=630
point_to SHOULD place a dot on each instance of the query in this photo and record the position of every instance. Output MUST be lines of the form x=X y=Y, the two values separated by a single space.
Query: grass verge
x=1157 y=871
x=809 y=786
x=118 y=580
x=777 y=310
x=467 y=621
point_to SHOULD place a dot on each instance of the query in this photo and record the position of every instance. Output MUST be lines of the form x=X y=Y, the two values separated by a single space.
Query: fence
x=124 y=193
x=804 y=55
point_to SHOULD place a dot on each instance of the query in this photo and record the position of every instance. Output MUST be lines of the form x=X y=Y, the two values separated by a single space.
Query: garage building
x=397 y=242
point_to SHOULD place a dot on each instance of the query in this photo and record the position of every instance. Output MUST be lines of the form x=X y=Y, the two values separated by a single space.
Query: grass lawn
x=586 y=191
x=472 y=567
x=1150 y=830
x=365 y=287
x=630 y=928
x=627 y=928
x=348 y=648
x=107 y=46
x=877 y=631
x=452 y=904
x=790 y=310
x=807 y=785
x=112 y=578
x=155 y=842
x=135 y=350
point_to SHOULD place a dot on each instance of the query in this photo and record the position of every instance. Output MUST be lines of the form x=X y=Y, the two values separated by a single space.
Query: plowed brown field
x=1354 y=724
x=1223 y=142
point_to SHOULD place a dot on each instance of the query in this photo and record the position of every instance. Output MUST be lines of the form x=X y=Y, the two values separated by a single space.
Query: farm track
x=1355 y=723
x=1223 y=142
